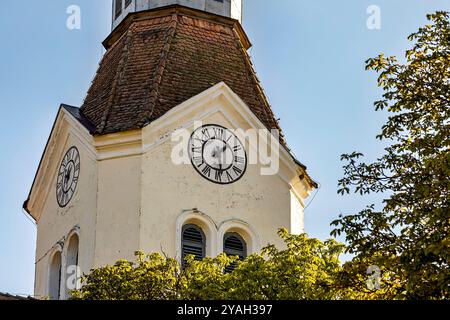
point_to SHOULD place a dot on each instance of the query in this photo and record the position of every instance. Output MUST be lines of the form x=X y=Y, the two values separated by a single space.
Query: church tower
x=175 y=149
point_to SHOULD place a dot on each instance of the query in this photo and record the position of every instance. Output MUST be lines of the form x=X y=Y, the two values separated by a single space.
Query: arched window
x=55 y=276
x=192 y=243
x=234 y=245
x=72 y=265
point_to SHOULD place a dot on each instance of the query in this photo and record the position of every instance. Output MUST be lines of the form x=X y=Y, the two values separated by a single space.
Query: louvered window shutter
x=234 y=245
x=193 y=243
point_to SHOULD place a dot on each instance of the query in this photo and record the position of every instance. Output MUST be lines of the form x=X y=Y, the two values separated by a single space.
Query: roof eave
x=306 y=176
x=170 y=10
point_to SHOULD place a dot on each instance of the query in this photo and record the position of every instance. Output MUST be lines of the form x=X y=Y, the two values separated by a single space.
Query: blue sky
x=309 y=55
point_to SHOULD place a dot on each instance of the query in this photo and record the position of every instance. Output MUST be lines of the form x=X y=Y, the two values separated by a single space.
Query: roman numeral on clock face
x=240 y=160
x=219 y=175
x=219 y=133
x=237 y=170
x=205 y=134
x=207 y=171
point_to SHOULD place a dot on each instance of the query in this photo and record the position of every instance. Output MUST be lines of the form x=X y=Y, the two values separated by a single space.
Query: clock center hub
x=218 y=154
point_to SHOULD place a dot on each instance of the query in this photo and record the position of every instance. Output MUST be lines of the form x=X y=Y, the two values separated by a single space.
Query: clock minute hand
x=220 y=157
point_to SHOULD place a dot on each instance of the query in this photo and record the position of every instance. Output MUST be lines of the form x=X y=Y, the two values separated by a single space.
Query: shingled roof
x=160 y=58
x=157 y=59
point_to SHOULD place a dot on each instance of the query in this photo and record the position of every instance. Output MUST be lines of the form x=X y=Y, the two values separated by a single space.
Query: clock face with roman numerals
x=217 y=154
x=68 y=175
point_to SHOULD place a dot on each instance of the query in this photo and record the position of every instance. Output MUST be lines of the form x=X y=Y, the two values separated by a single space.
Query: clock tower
x=174 y=149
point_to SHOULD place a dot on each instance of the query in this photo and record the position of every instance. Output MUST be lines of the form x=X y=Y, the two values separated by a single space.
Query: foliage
x=408 y=238
x=304 y=269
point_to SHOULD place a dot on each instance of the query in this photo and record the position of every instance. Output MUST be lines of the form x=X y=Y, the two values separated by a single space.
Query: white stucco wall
x=168 y=190
x=119 y=191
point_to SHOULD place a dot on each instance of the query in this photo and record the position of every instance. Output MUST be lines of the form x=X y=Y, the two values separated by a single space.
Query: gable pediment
x=220 y=105
x=66 y=125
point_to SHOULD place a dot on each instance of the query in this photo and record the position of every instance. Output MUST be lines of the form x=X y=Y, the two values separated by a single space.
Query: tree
x=305 y=269
x=407 y=236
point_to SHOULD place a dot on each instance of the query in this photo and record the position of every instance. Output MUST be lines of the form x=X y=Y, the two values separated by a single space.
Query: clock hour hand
x=67 y=175
x=217 y=154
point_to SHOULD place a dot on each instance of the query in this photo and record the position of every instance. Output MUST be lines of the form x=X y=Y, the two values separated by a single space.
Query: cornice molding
x=175 y=9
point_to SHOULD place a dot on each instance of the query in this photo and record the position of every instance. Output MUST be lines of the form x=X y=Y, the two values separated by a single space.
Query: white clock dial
x=68 y=175
x=217 y=154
